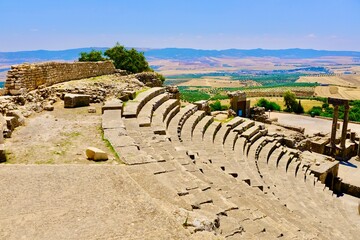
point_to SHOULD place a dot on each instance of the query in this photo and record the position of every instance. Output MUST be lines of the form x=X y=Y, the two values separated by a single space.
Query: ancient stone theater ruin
x=233 y=179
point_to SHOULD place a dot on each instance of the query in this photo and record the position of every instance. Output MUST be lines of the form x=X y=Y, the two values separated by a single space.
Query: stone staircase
x=233 y=179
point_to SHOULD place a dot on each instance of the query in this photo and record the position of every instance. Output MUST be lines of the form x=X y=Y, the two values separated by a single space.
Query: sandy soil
x=80 y=202
x=57 y=137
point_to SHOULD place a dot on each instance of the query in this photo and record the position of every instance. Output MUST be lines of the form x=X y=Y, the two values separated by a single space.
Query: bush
x=268 y=105
x=129 y=60
x=93 y=56
x=325 y=105
x=161 y=77
x=315 y=111
x=216 y=106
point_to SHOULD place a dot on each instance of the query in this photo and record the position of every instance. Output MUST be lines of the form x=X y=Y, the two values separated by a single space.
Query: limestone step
x=211 y=132
x=186 y=131
x=163 y=110
x=201 y=127
x=244 y=126
x=133 y=107
x=145 y=114
x=170 y=115
x=250 y=132
x=176 y=123
x=235 y=122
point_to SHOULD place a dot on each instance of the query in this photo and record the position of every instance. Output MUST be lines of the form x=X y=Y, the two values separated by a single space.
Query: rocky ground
x=58 y=137
x=63 y=134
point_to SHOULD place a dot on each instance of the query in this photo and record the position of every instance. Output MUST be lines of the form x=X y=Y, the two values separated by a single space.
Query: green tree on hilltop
x=129 y=60
x=93 y=56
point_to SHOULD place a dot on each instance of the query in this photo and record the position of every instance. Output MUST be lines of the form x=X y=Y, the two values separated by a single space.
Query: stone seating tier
x=132 y=108
x=242 y=181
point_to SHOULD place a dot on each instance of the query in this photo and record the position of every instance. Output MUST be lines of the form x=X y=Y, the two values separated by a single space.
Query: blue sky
x=203 y=24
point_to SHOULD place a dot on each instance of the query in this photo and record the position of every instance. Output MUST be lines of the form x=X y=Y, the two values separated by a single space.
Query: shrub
x=315 y=111
x=129 y=60
x=216 y=106
x=92 y=56
x=268 y=105
x=325 y=105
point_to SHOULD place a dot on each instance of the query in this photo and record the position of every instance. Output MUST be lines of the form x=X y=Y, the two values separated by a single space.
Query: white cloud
x=311 y=35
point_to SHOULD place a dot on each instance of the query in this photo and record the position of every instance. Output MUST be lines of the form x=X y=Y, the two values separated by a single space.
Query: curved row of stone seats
x=185 y=181
x=146 y=113
x=291 y=156
x=168 y=109
x=293 y=192
x=207 y=201
x=207 y=204
x=201 y=127
x=203 y=200
x=133 y=107
x=176 y=123
x=190 y=124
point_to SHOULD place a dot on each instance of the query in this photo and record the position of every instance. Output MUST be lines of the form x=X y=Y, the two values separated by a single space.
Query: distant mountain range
x=175 y=53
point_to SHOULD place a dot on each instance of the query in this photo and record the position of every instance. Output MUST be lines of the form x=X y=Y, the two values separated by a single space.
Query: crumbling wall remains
x=27 y=77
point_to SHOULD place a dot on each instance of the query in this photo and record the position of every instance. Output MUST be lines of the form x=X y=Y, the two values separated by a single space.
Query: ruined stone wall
x=27 y=77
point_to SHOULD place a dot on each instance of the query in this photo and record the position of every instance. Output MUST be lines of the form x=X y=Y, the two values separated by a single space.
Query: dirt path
x=58 y=137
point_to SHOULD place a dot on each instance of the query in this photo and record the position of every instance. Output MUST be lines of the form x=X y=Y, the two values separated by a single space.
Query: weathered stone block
x=113 y=104
x=96 y=154
x=76 y=100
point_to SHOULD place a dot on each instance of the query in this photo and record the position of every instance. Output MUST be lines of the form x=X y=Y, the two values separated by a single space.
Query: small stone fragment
x=96 y=154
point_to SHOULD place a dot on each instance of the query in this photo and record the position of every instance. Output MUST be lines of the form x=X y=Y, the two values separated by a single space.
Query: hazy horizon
x=202 y=24
x=201 y=49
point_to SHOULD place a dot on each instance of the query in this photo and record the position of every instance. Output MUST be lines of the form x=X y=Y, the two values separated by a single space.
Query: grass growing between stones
x=140 y=91
x=225 y=120
x=109 y=146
